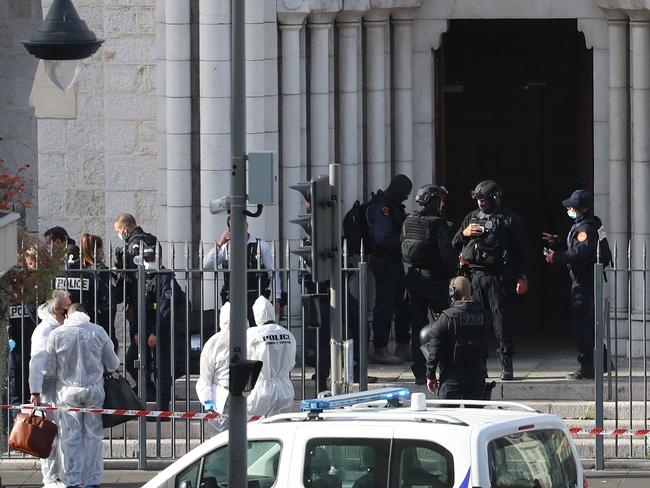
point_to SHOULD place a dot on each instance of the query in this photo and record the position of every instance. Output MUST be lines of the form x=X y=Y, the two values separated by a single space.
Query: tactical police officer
x=580 y=257
x=427 y=249
x=496 y=254
x=162 y=295
x=457 y=344
x=385 y=215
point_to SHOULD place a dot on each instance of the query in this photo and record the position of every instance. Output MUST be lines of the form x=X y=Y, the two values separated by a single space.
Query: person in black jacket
x=385 y=215
x=57 y=237
x=432 y=260
x=457 y=345
x=165 y=307
x=495 y=253
x=101 y=294
x=127 y=259
x=580 y=257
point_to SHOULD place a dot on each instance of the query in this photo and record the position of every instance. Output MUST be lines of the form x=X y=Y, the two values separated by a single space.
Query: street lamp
x=62 y=40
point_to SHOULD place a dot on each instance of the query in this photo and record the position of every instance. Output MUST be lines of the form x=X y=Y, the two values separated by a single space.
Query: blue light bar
x=340 y=401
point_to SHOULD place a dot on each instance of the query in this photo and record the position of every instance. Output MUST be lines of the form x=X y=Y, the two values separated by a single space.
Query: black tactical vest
x=418 y=239
x=469 y=332
x=254 y=281
x=490 y=249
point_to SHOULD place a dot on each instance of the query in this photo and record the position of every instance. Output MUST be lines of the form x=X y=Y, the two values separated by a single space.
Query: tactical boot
x=506 y=364
x=382 y=356
x=403 y=350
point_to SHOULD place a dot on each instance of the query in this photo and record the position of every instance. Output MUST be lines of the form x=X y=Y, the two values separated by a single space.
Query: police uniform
x=426 y=247
x=385 y=216
x=580 y=257
x=162 y=293
x=458 y=346
x=495 y=261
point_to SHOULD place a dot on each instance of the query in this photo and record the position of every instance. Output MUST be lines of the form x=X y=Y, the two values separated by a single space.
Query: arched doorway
x=514 y=104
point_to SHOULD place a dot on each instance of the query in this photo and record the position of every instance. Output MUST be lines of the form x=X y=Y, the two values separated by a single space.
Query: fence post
x=142 y=360
x=363 y=326
x=599 y=317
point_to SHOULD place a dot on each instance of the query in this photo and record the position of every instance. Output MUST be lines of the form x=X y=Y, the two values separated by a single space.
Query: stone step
x=178 y=428
x=587 y=410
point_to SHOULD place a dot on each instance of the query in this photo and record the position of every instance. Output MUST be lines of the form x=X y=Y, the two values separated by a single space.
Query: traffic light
x=317 y=224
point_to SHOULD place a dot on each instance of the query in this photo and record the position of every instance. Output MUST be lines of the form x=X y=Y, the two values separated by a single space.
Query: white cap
x=418 y=402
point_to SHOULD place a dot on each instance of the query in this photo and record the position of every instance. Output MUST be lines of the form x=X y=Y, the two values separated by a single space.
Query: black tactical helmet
x=486 y=190
x=431 y=195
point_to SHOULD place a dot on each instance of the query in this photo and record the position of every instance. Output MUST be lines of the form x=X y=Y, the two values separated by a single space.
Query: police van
x=384 y=439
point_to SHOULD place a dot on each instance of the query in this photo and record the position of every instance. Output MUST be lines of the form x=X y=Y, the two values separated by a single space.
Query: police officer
x=427 y=249
x=457 y=344
x=496 y=254
x=580 y=257
x=385 y=215
x=162 y=293
x=127 y=258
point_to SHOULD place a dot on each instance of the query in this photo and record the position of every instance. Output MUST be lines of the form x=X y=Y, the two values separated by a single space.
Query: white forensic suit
x=51 y=467
x=79 y=353
x=275 y=346
x=212 y=385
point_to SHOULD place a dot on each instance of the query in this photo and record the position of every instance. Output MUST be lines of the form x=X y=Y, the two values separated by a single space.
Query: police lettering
x=471 y=319
x=277 y=339
x=18 y=311
x=71 y=283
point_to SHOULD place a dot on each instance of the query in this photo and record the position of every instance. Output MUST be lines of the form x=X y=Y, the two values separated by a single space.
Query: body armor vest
x=418 y=239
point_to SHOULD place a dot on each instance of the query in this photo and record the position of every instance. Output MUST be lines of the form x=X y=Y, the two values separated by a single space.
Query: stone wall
x=103 y=162
x=18 y=18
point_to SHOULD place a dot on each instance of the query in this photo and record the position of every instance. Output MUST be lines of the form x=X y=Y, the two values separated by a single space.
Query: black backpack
x=355 y=228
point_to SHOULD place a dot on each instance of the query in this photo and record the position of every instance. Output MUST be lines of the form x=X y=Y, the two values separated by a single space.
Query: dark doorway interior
x=514 y=104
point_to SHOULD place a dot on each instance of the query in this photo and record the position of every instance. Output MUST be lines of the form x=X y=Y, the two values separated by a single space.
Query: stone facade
x=18 y=19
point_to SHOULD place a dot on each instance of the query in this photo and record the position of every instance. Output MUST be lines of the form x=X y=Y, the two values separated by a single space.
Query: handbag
x=33 y=434
x=119 y=395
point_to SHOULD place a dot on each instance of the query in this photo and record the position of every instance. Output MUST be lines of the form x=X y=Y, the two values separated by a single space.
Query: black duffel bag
x=119 y=395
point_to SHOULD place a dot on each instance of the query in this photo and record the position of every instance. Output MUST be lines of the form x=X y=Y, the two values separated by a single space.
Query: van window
x=346 y=463
x=421 y=464
x=533 y=459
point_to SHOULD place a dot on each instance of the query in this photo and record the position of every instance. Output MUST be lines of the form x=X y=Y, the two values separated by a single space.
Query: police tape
x=610 y=432
x=163 y=414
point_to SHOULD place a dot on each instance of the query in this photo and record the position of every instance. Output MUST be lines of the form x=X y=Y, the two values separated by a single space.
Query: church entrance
x=514 y=104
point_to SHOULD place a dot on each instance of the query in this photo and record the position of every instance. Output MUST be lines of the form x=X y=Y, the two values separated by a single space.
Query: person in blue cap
x=581 y=254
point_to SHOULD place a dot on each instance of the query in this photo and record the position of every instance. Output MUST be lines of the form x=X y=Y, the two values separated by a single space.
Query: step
x=587 y=410
x=178 y=427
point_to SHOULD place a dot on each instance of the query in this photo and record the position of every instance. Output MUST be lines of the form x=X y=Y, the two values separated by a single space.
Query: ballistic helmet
x=490 y=191
x=429 y=196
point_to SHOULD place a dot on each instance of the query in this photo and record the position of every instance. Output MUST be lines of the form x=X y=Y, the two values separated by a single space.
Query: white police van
x=380 y=439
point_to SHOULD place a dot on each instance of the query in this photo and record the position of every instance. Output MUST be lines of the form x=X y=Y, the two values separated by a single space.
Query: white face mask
x=151 y=265
x=572 y=213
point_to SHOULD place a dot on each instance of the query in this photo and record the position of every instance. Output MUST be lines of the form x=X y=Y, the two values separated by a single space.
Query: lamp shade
x=63 y=35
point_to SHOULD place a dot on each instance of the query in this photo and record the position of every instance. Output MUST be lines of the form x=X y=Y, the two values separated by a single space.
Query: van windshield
x=534 y=459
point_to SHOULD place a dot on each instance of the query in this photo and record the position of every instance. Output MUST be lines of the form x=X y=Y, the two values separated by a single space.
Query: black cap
x=579 y=199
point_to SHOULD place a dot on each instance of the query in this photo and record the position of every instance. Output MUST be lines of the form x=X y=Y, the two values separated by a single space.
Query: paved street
x=135 y=479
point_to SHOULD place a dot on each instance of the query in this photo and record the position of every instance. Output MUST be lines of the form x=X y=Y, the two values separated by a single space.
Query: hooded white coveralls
x=51 y=467
x=275 y=346
x=212 y=384
x=79 y=353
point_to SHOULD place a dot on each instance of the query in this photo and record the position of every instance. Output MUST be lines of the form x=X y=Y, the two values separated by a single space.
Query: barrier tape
x=133 y=413
x=610 y=432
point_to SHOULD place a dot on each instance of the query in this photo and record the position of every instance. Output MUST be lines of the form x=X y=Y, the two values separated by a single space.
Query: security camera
x=220 y=205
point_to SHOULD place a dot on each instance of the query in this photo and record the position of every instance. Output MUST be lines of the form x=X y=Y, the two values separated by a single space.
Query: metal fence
x=194 y=301
x=621 y=356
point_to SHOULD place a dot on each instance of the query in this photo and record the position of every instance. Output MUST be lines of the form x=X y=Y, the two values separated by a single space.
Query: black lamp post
x=61 y=41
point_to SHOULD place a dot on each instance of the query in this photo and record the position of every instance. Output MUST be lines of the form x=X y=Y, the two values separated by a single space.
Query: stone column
x=290 y=159
x=640 y=105
x=319 y=30
x=161 y=122
x=619 y=171
x=214 y=69
x=179 y=125
x=378 y=170
x=348 y=104
x=403 y=92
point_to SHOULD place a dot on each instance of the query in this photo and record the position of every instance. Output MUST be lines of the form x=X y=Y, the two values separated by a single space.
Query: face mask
x=150 y=266
x=572 y=214
x=122 y=235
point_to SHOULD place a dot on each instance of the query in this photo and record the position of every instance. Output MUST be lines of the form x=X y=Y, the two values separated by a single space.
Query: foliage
x=12 y=186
